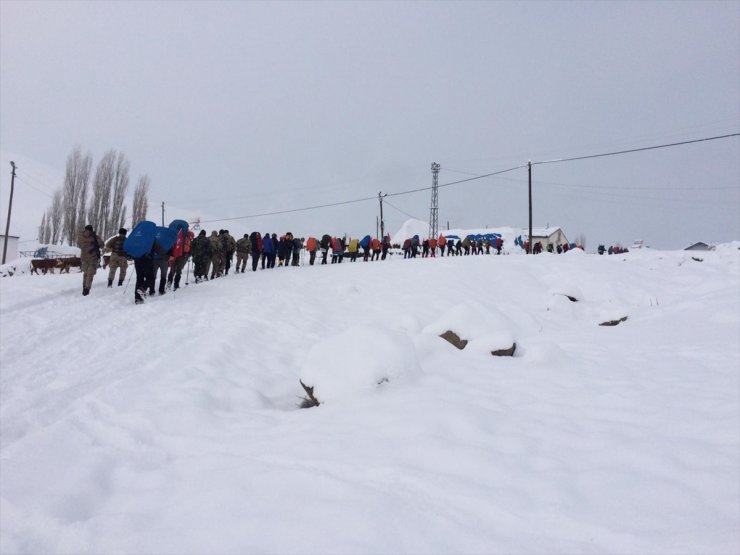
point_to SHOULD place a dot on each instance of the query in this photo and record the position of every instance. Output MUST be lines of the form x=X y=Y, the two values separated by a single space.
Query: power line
x=457 y=182
x=316 y=207
x=476 y=177
x=401 y=211
x=34 y=187
x=289 y=211
x=634 y=150
x=622 y=188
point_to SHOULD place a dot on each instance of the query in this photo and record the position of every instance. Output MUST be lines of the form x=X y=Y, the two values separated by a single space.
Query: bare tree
x=122 y=222
x=97 y=212
x=141 y=203
x=43 y=231
x=81 y=206
x=54 y=219
x=76 y=178
x=120 y=187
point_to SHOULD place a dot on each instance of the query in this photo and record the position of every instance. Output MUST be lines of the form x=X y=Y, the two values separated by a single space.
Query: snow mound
x=409 y=229
x=545 y=353
x=357 y=361
x=485 y=329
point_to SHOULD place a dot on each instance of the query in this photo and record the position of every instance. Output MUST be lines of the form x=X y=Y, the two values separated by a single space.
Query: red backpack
x=177 y=249
x=188 y=239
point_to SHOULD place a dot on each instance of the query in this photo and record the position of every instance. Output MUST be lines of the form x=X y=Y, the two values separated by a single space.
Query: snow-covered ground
x=173 y=427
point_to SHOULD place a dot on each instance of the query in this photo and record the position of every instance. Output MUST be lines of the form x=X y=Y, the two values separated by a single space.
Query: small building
x=12 y=252
x=547 y=236
x=699 y=246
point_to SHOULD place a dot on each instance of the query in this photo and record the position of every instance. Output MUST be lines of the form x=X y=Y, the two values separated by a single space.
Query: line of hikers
x=164 y=252
x=613 y=249
x=213 y=255
x=465 y=246
x=169 y=262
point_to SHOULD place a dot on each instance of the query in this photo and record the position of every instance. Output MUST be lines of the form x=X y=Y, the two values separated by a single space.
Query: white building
x=548 y=236
x=12 y=252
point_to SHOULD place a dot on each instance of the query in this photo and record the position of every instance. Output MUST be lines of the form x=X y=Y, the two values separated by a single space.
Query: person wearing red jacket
x=312 y=245
x=375 y=245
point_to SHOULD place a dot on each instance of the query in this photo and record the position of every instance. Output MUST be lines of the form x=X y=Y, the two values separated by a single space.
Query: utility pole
x=162 y=213
x=529 y=169
x=382 y=223
x=434 y=210
x=10 y=206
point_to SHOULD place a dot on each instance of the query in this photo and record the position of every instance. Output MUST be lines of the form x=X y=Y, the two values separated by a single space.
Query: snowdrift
x=174 y=426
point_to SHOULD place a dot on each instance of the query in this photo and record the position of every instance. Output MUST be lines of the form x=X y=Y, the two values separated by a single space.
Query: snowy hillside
x=173 y=427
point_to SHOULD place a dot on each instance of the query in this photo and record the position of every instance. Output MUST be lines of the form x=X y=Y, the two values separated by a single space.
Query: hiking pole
x=187 y=272
x=129 y=279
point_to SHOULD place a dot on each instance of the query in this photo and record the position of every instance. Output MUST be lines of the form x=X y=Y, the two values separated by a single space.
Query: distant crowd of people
x=462 y=247
x=613 y=249
x=213 y=255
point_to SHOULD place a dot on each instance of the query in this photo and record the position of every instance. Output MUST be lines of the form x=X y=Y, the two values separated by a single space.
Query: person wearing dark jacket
x=284 y=247
x=144 y=266
x=201 y=249
x=160 y=264
x=325 y=246
x=267 y=250
x=255 y=240
x=297 y=247
x=386 y=246
x=274 y=241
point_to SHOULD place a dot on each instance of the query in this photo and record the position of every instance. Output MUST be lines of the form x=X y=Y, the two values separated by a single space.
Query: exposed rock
x=451 y=337
x=309 y=401
x=697 y=259
x=505 y=352
x=614 y=322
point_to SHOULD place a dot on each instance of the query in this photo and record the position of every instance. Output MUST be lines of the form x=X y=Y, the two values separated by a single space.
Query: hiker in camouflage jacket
x=243 y=246
x=201 y=249
x=117 y=258
x=90 y=244
x=217 y=255
x=228 y=246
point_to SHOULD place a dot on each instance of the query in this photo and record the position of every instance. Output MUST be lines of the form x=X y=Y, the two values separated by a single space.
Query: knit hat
x=88 y=227
x=122 y=231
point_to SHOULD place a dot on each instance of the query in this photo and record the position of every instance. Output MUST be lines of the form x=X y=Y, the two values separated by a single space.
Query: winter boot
x=85 y=291
x=120 y=282
x=110 y=283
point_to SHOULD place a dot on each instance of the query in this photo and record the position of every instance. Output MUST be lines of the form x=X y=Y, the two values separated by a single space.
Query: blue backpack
x=140 y=240
x=166 y=238
x=178 y=225
x=365 y=243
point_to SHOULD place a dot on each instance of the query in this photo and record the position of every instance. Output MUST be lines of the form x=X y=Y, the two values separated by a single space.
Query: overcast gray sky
x=239 y=108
